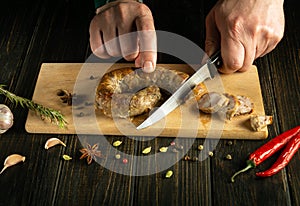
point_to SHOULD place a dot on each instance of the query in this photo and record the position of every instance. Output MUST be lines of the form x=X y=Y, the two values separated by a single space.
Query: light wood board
x=185 y=121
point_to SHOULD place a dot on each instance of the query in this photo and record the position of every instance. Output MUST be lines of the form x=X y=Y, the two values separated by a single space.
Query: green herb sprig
x=45 y=113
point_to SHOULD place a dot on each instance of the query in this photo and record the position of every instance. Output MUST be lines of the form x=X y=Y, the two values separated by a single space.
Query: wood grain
x=185 y=121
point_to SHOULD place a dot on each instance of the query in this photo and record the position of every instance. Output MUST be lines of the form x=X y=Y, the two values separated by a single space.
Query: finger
x=143 y=61
x=147 y=43
x=128 y=43
x=250 y=52
x=212 y=41
x=270 y=46
x=111 y=42
x=96 y=40
x=261 y=46
x=233 y=54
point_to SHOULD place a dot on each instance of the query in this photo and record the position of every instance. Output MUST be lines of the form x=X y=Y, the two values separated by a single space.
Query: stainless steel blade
x=205 y=72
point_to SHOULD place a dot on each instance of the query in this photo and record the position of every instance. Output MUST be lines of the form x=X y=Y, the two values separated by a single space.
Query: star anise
x=91 y=152
x=65 y=96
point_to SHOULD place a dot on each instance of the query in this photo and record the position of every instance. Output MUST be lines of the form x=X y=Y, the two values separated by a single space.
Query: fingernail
x=148 y=66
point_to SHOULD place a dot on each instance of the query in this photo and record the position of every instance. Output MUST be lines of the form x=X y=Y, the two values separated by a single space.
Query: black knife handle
x=214 y=62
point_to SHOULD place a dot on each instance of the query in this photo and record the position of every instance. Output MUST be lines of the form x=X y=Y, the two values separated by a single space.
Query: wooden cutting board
x=185 y=121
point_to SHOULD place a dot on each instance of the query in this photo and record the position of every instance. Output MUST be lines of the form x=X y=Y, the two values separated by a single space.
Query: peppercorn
x=195 y=159
x=200 y=147
x=229 y=157
x=187 y=158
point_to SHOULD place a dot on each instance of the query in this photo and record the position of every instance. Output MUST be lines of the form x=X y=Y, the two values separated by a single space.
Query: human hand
x=111 y=33
x=244 y=30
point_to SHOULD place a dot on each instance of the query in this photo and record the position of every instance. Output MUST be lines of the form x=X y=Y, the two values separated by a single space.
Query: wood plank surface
x=185 y=121
x=37 y=31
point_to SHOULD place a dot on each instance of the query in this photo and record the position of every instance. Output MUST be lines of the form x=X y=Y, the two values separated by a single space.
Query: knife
x=206 y=71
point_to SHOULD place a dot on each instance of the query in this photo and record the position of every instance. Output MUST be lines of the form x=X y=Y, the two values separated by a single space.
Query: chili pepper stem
x=250 y=164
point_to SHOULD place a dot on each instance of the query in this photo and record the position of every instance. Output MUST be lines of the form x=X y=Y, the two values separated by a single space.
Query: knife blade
x=206 y=71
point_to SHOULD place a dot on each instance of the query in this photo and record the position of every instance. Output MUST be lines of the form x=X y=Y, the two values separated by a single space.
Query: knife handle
x=214 y=62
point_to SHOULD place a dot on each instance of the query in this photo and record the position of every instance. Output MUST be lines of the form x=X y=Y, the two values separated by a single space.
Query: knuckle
x=235 y=25
x=130 y=56
x=143 y=10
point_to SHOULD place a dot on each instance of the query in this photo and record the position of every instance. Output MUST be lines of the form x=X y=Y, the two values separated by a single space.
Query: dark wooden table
x=37 y=31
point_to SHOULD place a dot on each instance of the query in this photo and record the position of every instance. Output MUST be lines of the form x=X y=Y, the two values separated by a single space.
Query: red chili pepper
x=291 y=148
x=268 y=149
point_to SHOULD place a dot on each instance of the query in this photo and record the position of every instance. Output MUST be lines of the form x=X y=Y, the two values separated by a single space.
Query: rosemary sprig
x=45 y=113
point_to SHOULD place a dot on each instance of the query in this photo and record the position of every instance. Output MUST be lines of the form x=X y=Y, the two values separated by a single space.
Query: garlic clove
x=6 y=118
x=52 y=142
x=12 y=160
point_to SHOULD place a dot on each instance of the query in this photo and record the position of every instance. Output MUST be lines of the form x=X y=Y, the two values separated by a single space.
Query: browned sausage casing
x=128 y=92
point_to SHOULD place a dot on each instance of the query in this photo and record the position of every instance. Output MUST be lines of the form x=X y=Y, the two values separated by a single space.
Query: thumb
x=147 y=43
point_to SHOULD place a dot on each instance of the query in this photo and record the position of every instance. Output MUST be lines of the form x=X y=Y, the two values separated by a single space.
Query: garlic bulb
x=6 y=118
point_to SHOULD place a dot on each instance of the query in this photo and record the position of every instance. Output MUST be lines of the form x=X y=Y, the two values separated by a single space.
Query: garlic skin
x=12 y=160
x=6 y=118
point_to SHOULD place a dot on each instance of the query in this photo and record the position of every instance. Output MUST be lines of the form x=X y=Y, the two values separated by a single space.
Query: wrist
x=100 y=3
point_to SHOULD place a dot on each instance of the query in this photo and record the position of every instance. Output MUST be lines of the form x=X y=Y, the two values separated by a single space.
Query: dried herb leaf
x=147 y=150
x=12 y=160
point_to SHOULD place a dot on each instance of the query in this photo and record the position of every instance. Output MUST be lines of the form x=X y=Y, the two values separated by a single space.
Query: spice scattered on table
x=228 y=157
x=118 y=156
x=147 y=150
x=125 y=161
x=163 y=149
x=229 y=143
x=195 y=159
x=117 y=143
x=52 y=142
x=187 y=158
x=66 y=157
x=91 y=152
x=289 y=139
x=200 y=147
x=12 y=160
x=169 y=174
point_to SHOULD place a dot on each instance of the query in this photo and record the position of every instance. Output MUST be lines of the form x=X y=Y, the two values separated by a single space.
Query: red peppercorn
x=125 y=161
